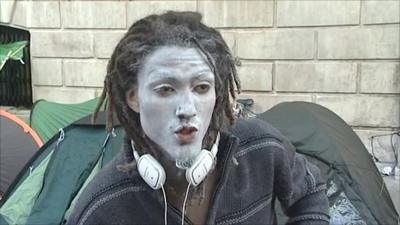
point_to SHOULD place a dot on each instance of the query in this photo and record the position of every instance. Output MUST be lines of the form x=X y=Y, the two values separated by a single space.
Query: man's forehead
x=175 y=63
x=172 y=56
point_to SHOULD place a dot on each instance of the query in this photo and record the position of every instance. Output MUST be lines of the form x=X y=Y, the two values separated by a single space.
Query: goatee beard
x=186 y=158
x=184 y=164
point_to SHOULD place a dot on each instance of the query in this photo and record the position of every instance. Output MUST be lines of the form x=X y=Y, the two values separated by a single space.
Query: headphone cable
x=165 y=205
x=184 y=204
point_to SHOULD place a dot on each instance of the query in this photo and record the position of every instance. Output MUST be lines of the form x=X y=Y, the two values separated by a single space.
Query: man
x=186 y=159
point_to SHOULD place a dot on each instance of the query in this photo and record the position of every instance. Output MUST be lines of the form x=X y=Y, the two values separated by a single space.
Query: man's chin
x=186 y=157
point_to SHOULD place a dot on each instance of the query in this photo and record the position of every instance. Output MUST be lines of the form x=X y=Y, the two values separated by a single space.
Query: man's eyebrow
x=204 y=75
x=161 y=76
x=203 y=72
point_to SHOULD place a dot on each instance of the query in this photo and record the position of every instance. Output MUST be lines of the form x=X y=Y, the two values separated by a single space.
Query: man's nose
x=186 y=109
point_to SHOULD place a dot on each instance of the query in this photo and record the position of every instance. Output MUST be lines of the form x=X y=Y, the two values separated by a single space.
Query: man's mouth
x=186 y=134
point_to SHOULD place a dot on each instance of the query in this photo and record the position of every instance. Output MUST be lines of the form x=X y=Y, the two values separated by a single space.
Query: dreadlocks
x=182 y=29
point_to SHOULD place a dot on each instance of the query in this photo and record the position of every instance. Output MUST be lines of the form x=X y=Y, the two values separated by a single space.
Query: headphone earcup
x=200 y=168
x=151 y=171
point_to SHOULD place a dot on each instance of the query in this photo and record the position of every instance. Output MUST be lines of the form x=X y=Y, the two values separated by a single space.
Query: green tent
x=12 y=51
x=48 y=117
x=47 y=188
x=356 y=190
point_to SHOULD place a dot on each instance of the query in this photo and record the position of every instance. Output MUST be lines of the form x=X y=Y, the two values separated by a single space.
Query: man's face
x=175 y=98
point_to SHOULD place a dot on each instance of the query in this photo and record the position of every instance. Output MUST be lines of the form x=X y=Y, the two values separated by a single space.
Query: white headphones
x=154 y=174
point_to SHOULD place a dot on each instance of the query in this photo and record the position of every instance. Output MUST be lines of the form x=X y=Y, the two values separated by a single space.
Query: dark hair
x=145 y=36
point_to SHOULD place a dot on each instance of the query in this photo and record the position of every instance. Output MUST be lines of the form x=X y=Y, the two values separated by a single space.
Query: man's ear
x=132 y=99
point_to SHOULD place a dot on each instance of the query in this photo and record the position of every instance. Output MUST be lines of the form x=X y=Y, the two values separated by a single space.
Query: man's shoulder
x=111 y=177
x=256 y=135
x=108 y=181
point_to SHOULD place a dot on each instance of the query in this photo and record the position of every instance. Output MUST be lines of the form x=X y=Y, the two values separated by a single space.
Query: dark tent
x=356 y=190
x=18 y=143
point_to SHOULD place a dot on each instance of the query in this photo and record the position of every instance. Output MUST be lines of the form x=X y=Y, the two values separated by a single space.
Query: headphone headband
x=214 y=148
x=135 y=154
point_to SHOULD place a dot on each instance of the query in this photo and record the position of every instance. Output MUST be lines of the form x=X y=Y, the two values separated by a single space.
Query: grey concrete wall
x=343 y=55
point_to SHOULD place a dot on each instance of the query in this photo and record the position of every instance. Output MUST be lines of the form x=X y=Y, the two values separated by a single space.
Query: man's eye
x=202 y=88
x=164 y=91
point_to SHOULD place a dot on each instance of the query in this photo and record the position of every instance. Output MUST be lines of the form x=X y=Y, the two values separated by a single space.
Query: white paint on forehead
x=171 y=58
x=171 y=55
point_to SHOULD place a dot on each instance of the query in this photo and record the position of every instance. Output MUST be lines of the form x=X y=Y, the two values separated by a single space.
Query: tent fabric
x=75 y=159
x=18 y=143
x=18 y=207
x=12 y=51
x=93 y=173
x=34 y=162
x=48 y=117
x=26 y=128
x=327 y=141
x=69 y=168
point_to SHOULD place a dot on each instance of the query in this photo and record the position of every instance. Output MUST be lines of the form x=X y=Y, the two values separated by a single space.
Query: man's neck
x=176 y=179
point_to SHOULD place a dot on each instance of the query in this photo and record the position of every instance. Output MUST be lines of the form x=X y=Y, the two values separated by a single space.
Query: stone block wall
x=343 y=55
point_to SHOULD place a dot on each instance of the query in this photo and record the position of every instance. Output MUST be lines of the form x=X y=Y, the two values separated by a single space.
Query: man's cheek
x=206 y=109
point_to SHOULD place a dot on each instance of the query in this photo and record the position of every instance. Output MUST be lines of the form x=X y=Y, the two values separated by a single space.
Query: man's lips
x=186 y=134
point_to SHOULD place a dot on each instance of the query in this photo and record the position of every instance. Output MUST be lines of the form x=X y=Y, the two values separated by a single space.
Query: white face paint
x=175 y=99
